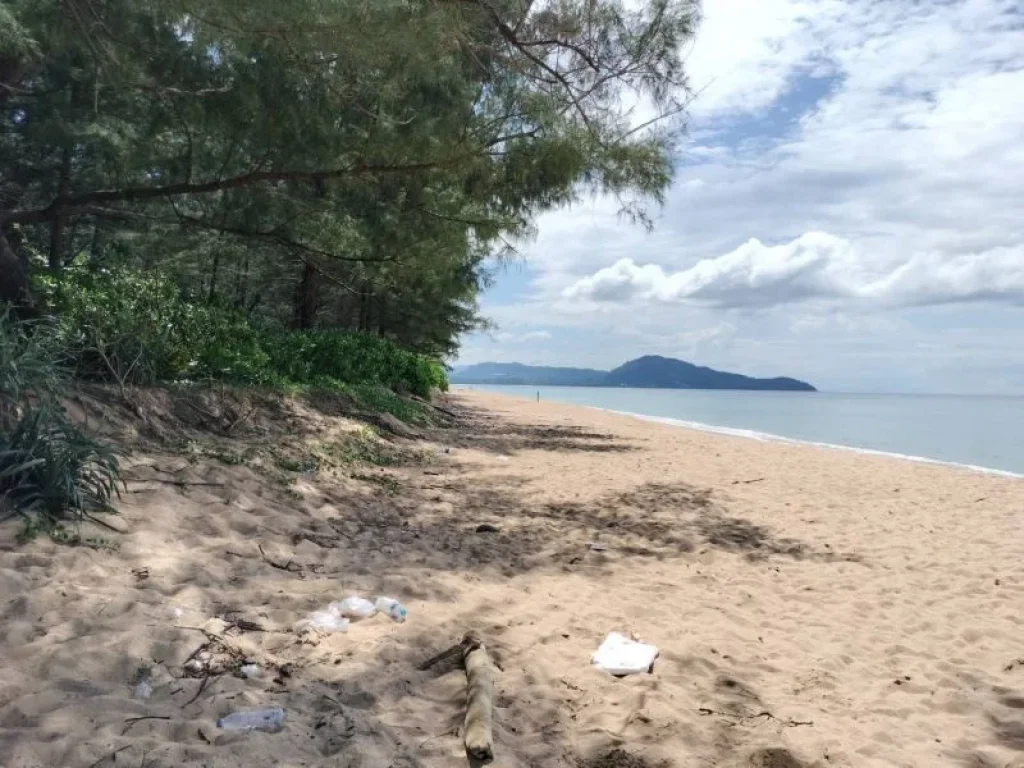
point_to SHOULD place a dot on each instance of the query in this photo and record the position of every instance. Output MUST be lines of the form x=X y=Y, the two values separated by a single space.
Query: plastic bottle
x=355 y=608
x=143 y=689
x=391 y=607
x=270 y=719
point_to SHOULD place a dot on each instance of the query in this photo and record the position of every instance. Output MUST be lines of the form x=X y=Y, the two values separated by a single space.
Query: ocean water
x=980 y=432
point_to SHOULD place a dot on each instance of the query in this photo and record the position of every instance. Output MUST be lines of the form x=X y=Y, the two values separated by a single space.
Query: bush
x=140 y=329
x=304 y=357
x=49 y=469
x=30 y=366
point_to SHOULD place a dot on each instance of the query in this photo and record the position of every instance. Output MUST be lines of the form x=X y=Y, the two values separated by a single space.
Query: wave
x=767 y=437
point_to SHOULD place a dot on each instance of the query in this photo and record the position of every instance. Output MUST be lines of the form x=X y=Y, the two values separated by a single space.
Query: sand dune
x=812 y=607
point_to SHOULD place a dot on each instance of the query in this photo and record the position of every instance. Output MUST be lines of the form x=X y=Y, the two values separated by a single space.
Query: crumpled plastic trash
x=354 y=608
x=620 y=656
x=326 y=621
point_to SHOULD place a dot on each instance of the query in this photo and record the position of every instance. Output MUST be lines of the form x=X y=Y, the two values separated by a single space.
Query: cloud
x=815 y=265
x=747 y=52
x=892 y=126
x=518 y=338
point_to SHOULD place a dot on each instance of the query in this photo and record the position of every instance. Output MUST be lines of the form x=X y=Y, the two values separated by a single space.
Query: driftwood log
x=478 y=735
x=479 y=727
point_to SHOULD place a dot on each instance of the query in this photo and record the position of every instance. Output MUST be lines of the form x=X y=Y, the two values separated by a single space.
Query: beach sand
x=812 y=607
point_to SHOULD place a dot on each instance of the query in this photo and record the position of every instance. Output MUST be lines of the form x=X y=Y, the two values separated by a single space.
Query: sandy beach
x=812 y=607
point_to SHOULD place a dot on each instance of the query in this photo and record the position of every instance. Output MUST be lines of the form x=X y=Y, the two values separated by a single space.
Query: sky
x=847 y=208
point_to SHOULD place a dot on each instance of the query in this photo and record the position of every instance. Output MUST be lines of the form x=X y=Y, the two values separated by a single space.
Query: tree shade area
x=338 y=164
x=308 y=191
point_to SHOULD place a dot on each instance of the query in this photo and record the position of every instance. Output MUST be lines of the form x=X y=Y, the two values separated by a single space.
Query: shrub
x=136 y=328
x=30 y=366
x=139 y=329
x=49 y=469
x=306 y=357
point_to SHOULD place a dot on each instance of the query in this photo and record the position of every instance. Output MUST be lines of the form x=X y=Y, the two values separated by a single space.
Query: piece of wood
x=448 y=655
x=479 y=699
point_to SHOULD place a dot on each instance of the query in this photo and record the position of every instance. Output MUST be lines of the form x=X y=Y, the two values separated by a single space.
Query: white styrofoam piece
x=621 y=656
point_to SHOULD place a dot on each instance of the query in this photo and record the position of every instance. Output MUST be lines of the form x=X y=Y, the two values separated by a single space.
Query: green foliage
x=136 y=328
x=130 y=328
x=350 y=165
x=52 y=470
x=377 y=399
x=327 y=358
x=30 y=365
x=361 y=446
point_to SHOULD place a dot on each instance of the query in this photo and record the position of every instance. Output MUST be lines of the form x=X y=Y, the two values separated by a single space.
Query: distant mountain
x=650 y=371
x=517 y=373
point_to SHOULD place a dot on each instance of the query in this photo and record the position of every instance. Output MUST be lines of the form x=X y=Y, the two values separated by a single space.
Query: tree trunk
x=213 y=279
x=242 y=284
x=364 y=308
x=14 y=286
x=57 y=225
x=306 y=299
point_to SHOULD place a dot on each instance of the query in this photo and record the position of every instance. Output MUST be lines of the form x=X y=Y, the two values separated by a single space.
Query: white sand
x=813 y=607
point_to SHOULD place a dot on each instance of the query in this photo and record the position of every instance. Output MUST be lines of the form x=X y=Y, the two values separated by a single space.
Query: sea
x=984 y=433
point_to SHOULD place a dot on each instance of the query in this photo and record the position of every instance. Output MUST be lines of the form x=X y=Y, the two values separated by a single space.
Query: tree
x=380 y=148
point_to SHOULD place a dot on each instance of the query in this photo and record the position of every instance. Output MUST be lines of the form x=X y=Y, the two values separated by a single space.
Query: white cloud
x=747 y=51
x=816 y=265
x=518 y=338
x=912 y=162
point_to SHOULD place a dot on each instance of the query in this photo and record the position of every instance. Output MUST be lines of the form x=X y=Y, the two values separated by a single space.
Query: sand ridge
x=812 y=607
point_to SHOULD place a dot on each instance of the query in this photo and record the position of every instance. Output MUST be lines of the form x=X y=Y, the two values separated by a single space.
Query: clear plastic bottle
x=269 y=719
x=391 y=607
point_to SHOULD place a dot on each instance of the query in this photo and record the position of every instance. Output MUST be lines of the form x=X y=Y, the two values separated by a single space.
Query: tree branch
x=65 y=203
x=271 y=236
x=561 y=44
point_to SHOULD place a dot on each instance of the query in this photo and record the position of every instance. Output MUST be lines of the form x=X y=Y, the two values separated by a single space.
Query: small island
x=647 y=372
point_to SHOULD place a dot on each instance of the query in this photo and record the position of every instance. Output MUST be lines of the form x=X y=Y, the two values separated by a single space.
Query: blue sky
x=848 y=208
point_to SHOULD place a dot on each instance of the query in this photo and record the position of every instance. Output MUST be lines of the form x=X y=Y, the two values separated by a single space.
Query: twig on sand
x=244 y=625
x=199 y=691
x=448 y=654
x=133 y=720
x=748 y=482
x=290 y=566
x=101 y=523
x=446 y=412
x=112 y=757
x=734 y=719
x=178 y=483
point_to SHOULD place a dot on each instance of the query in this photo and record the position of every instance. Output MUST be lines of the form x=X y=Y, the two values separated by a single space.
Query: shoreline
x=770 y=437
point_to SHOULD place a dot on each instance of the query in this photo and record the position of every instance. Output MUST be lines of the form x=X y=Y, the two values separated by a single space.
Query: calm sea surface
x=981 y=432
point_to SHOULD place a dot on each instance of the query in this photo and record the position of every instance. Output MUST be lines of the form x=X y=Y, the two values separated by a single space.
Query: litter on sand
x=325 y=621
x=618 y=655
x=337 y=616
